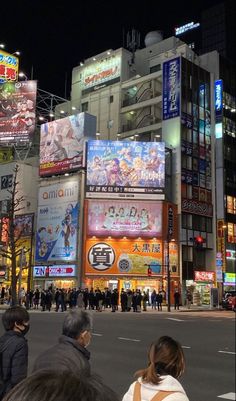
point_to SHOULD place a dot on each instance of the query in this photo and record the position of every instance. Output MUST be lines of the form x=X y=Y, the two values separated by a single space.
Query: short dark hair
x=75 y=322
x=165 y=357
x=15 y=314
x=61 y=386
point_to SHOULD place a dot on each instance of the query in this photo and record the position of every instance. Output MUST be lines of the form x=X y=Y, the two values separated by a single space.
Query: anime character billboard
x=17 y=111
x=129 y=218
x=116 y=167
x=62 y=143
x=57 y=223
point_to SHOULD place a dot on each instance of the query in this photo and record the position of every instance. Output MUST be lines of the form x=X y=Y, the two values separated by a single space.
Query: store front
x=200 y=287
x=57 y=276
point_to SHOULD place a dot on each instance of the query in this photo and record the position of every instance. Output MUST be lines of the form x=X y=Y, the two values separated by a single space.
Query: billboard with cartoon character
x=117 y=169
x=57 y=223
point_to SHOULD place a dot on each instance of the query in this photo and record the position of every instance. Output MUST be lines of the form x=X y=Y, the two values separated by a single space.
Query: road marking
x=228 y=396
x=227 y=352
x=185 y=346
x=129 y=339
x=176 y=320
x=96 y=334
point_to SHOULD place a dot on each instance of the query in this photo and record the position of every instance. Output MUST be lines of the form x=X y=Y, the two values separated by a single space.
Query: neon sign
x=187 y=27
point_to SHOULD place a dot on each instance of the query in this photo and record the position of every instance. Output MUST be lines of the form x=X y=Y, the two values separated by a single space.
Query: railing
x=137 y=97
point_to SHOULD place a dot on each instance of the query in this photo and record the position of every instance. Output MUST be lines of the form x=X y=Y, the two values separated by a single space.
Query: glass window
x=208 y=225
x=84 y=106
x=231 y=204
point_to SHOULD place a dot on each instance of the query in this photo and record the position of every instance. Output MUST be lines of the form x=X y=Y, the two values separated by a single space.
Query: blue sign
x=218 y=97
x=171 y=89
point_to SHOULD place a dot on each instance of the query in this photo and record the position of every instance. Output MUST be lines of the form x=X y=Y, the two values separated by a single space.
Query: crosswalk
x=228 y=396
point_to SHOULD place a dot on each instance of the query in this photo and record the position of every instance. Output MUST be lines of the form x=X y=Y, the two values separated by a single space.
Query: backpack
x=158 y=397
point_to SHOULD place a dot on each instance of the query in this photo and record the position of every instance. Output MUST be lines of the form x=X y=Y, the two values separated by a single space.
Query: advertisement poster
x=121 y=257
x=129 y=218
x=171 y=88
x=57 y=223
x=17 y=111
x=116 y=168
x=62 y=143
x=54 y=271
x=101 y=73
x=9 y=65
x=23 y=225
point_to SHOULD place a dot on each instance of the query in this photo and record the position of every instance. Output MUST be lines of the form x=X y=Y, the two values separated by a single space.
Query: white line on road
x=185 y=346
x=129 y=339
x=176 y=320
x=96 y=334
x=228 y=396
x=227 y=352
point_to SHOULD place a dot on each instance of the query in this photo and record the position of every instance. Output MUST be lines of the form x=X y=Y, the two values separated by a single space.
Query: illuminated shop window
x=232 y=233
x=231 y=204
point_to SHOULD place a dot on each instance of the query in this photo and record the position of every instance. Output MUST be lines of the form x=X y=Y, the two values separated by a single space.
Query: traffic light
x=199 y=242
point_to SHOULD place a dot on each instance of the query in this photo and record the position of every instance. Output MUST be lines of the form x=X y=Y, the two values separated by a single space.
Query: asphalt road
x=120 y=342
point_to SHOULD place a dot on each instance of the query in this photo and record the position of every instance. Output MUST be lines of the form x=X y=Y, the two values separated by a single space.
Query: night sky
x=54 y=36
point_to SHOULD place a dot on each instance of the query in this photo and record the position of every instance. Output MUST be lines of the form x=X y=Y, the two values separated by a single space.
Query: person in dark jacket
x=71 y=353
x=14 y=348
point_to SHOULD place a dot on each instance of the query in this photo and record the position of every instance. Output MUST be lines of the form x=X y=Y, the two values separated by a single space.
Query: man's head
x=78 y=325
x=61 y=386
x=16 y=318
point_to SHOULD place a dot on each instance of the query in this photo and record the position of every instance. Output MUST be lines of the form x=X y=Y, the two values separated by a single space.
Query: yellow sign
x=9 y=65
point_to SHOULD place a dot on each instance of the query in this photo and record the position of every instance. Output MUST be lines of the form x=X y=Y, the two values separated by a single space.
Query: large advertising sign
x=202 y=276
x=23 y=225
x=101 y=73
x=62 y=143
x=117 y=169
x=57 y=224
x=131 y=257
x=218 y=98
x=121 y=257
x=171 y=88
x=9 y=65
x=54 y=271
x=17 y=111
x=129 y=218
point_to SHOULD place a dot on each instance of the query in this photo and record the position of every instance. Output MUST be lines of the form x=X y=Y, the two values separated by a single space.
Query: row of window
x=196 y=193
x=196 y=222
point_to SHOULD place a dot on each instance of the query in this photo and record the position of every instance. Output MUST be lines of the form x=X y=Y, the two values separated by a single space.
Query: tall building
x=127 y=93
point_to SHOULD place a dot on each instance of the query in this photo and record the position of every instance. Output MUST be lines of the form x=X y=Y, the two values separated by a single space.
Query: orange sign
x=123 y=257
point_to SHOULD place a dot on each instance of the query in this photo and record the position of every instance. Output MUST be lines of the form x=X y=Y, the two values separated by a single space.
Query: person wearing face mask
x=13 y=348
x=70 y=354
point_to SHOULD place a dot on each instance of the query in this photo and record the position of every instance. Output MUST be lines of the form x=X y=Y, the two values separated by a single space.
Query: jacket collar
x=64 y=339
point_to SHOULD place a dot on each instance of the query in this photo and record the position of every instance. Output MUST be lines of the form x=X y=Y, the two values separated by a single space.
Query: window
x=111 y=99
x=155 y=68
x=231 y=204
x=84 y=106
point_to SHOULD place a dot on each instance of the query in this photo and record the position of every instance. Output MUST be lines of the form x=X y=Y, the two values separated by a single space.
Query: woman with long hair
x=158 y=381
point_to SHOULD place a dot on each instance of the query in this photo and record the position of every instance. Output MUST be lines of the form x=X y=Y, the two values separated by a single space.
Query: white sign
x=55 y=271
x=187 y=27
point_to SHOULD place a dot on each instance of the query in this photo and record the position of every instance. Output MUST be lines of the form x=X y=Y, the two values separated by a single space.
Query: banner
x=116 y=168
x=62 y=143
x=171 y=88
x=23 y=225
x=57 y=224
x=54 y=271
x=123 y=257
x=129 y=218
x=17 y=111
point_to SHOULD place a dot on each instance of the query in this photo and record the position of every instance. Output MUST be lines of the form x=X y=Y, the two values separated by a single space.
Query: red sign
x=201 y=276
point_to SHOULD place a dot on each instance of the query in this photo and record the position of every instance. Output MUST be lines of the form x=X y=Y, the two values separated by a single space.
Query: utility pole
x=168 y=273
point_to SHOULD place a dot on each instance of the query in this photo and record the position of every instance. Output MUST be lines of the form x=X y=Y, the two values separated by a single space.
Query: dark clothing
x=67 y=355
x=14 y=358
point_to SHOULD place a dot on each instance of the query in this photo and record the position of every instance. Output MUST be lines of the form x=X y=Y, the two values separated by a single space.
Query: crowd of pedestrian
x=63 y=372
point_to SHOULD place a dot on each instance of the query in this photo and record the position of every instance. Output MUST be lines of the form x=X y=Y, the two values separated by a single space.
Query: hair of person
x=15 y=314
x=76 y=322
x=61 y=386
x=165 y=357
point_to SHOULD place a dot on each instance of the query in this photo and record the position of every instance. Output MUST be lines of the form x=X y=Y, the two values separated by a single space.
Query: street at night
x=120 y=342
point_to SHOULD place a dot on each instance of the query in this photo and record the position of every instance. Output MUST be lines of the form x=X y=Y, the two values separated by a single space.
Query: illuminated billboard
x=62 y=143
x=129 y=218
x=123 y=257
x=23 y=225
x=171 y=88
x=117 y=169
x=54 y=271
x=101 y=73
x=9 y=65
x=57 y=223
x=17 y=111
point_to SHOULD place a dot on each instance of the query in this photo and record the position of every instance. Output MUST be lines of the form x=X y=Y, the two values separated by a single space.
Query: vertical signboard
x=57 y=224
x=171 y=88
x=218 y=97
